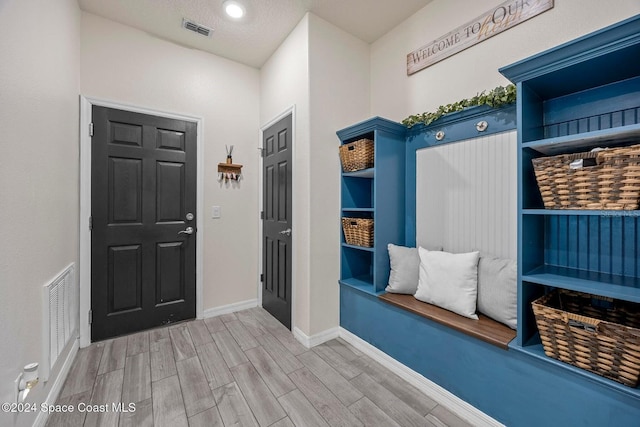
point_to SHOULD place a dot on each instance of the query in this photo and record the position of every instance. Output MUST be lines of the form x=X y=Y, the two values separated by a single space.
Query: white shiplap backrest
x=466 y=195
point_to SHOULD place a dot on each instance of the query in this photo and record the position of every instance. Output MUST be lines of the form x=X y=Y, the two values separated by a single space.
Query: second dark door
x=143 y=206
x=276 y=239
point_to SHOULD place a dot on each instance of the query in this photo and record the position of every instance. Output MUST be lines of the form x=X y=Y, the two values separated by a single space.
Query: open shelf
x=364 y=173
x=534 y=349
x=363 y=284
x=592 y=282
x=586 y=141
x=358 y=210
x=589 y=212
x=360 y=248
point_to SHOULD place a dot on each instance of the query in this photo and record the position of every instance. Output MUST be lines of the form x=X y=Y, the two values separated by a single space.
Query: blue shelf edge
x=358 y=209
x=361 y=285
x=370 y=125
x=364 y=173
x=360 y=248
x=536 y=351
x=582 y=212
x=603 y=284
x=586 y=139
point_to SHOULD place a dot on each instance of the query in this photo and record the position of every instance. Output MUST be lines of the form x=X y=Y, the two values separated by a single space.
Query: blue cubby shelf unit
x=579 y=95
x=377 y=193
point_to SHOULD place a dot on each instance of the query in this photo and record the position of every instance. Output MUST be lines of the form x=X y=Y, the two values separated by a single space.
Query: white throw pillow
x=497 y=289
x=405 y=262
x=449 y=281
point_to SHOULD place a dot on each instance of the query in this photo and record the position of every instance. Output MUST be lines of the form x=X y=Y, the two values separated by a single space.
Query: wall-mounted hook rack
x=229 y=171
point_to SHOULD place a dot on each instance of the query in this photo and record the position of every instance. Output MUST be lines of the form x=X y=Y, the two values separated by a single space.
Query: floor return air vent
x=60 y=317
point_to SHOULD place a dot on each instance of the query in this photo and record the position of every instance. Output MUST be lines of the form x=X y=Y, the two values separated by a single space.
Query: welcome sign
x=505 y=16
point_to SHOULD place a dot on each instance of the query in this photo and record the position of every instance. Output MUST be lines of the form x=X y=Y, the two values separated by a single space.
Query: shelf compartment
x=533 y=348
x=557 y=115
x=357 y=193
x=586 y=141
x=598 y=243
x=357 y=263
x=591 y=282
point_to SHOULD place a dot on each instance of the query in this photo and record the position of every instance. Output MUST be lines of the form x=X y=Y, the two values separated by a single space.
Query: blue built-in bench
x=510 y=386
x=591 y=82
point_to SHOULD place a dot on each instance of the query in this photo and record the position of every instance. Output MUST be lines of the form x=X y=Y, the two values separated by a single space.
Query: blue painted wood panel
x=585 y=111
x=512 y=387
x=605 y=243
x=389 y=201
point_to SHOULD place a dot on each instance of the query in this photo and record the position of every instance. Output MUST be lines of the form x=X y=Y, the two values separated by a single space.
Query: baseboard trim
x=56 y=388
x=230 y=308
x=443 y=397
x=317 y=339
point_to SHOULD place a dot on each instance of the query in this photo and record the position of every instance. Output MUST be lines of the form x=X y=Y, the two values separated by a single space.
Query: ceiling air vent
x=196 y=28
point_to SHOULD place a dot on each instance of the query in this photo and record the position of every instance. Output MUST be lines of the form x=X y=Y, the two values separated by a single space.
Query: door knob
x=188 y=230
x=286 y=232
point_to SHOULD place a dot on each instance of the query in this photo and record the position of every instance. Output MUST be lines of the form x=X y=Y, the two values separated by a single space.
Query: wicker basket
x=601 y=335
x=613 y=182
x=358 y=231
x=357 y=155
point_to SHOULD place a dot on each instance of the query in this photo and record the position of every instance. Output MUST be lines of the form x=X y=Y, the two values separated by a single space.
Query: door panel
x=283 y=267
x=126 y=134
x=170 y=140
x=143 y=185
x=125 y=278
x=169 y=277
x=170 y=191
x=125 y=191
x=277 y=199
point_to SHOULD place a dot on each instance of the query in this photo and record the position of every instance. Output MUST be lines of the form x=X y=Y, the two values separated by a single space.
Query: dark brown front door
x=276 y=225
x=143 y=206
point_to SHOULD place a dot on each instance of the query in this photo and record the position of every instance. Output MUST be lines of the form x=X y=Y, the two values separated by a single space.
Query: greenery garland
x=501 y=95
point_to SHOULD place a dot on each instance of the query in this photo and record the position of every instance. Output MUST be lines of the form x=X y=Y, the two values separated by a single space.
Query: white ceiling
x=267 y=23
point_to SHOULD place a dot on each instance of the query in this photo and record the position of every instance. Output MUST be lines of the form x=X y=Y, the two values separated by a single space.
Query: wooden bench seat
x=484 y=328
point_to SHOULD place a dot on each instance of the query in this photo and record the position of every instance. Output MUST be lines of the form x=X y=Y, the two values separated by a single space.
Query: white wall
x=284 y=82
x=39 y=87
x=324 y=72
x=339 y=97
x=396 y=95
x=129 y=66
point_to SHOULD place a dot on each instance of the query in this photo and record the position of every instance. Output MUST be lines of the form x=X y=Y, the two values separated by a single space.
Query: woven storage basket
x=612 y=183
x=601 y=335
x=358 y=231
x=357 y=155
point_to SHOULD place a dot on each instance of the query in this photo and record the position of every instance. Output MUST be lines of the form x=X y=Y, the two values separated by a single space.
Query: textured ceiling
x=255 y=37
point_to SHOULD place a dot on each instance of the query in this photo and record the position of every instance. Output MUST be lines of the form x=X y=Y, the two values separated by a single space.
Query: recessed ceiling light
x=234 y=9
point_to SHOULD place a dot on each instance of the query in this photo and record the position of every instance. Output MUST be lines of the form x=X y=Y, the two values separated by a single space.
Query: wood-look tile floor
x=239 y=369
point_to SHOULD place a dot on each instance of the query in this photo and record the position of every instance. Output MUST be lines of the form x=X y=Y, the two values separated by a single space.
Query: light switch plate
x=216 y=212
